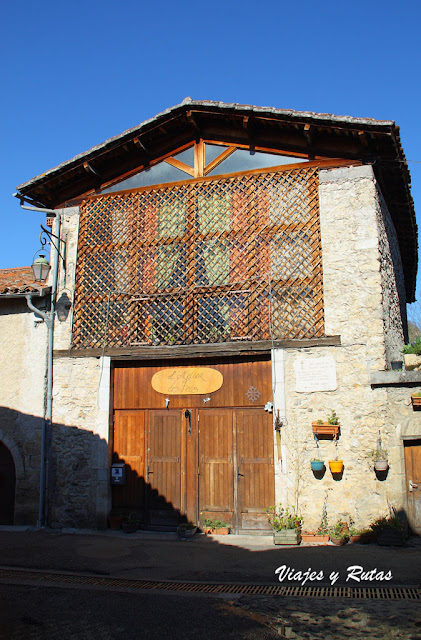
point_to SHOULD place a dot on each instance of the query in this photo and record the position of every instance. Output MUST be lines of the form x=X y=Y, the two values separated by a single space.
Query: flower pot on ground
x=339 y=533
x=389 y=531
x=216 y=527
x=318 y=538
x=186 y=530
x=131 y=523
x=115 y=520
x=286 y=524
x=358 y=536
x=287 y=536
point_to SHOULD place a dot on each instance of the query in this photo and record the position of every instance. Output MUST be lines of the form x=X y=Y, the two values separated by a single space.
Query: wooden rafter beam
x=192 y=121
x=180 y=165
x=222 y=156
x=90 y=169
x=139 y=144
x=307 y=133
x=362 y=136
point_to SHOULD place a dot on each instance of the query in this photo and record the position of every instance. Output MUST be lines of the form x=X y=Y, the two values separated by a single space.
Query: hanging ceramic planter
x=381 y=465
x=317 y=465
x=336 y=466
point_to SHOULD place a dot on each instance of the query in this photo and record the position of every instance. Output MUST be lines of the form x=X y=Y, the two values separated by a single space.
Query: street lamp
x=40 y=268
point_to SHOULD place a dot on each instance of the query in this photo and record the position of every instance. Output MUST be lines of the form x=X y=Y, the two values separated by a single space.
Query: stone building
x=22 y=367
x=235 y=274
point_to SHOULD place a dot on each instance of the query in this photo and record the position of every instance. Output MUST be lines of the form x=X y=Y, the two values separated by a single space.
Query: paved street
x=83 y=608
x=36 y=613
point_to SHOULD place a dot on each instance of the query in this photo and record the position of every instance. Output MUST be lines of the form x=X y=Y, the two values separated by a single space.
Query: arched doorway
x=7 y=485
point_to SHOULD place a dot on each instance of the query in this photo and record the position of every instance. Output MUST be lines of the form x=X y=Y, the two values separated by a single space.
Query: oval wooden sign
x=187 y=381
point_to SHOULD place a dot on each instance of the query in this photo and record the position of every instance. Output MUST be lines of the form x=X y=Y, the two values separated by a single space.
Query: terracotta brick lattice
x=235 y=258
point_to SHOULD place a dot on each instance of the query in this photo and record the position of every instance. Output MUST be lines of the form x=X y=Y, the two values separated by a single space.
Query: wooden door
x=129 y=447
x=7 y=485
x=216 y=465
x=165 y=461
x=255 y=470
x=236 y=473
x=413 y=483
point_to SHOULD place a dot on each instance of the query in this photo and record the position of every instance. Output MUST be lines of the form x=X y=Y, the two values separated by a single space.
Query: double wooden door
x=212 y=463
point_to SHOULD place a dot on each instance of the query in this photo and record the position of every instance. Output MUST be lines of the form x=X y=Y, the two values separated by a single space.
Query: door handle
x=239 y=474
x=187 y=414
x=412 y=485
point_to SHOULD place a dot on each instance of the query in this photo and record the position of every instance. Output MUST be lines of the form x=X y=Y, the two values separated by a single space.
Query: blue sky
x=78 y=73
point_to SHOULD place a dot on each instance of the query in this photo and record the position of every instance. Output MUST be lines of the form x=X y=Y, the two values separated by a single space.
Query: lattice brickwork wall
x=234 y=258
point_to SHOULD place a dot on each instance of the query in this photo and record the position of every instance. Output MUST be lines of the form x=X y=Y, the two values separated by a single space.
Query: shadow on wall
x=77 y=490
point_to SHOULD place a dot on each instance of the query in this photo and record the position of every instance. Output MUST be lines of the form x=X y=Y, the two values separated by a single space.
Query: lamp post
x=41 y=268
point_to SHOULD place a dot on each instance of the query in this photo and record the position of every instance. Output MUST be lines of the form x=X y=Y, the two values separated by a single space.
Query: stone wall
x=23 y=371
x=79 y=484
x=393 y=284
x=364 y=413
x=66 y=280
x=363 y=283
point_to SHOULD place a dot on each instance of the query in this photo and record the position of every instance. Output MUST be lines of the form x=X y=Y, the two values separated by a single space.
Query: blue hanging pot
x=317 y=465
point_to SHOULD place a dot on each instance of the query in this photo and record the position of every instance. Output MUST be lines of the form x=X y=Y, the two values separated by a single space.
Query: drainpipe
x=49 y=321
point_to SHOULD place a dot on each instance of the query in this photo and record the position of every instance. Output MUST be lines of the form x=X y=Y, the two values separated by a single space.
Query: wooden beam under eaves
x=90 y=169
x=362 y=136
x=192 y=121
x=307 y=133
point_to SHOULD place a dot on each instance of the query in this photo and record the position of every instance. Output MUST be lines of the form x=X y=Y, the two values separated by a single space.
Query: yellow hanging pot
x=336 y=465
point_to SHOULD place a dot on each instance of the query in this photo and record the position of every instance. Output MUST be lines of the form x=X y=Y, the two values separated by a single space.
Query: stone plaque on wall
x=315 y=374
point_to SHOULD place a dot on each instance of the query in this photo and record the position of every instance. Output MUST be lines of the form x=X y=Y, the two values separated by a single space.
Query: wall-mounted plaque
x=315 y=374
x=187 y=381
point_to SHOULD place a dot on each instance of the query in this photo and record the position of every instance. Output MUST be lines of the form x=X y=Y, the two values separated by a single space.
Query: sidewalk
x=162 y=556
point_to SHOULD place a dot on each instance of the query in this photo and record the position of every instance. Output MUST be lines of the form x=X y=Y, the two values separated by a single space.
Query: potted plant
x=286 y=524
x=412 y=355
x=186 y=530
x=216 y=527
x=320 y=536
x=115 y=519
x=356 y=535
x=389 y=530
x=380 y=459
x=416 y=399
x=131 y=523
x=339 y=533
x=336 y=465
x=329 y=427
x=317 y=464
